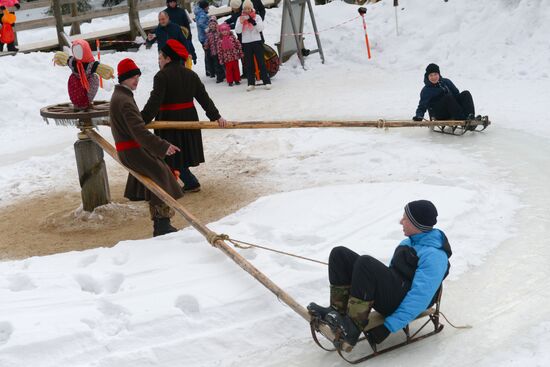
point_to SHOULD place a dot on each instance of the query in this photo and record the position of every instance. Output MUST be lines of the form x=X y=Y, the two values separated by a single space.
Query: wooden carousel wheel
x=67 y=114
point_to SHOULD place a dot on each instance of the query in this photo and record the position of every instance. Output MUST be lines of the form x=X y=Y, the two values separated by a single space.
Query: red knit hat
x=126 y=69
x=175 y=50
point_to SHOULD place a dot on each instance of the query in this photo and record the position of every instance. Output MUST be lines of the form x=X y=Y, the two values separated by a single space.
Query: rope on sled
x=246 y=245
x=454 y=326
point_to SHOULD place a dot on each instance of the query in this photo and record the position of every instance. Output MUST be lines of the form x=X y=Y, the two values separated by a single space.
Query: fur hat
x=247 y=4
x=126 y=69
x=432 y=68
x=175 y=50
x=235 y=4
x=422 y=214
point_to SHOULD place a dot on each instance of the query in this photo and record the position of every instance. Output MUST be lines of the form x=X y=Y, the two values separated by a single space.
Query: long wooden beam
x=186 y=125
x=209 y=234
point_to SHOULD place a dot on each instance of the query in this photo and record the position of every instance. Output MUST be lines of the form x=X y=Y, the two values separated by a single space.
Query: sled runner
x=478 y=124
x=431 y=315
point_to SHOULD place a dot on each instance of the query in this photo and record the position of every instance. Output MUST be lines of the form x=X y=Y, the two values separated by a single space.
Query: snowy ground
x=177 y=301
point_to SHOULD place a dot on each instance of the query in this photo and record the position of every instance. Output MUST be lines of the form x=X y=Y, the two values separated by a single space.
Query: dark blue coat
x=178 y=16
x=173 y=31
x=431 y=93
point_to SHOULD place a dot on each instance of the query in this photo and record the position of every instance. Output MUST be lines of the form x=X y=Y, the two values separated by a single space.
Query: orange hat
x=175 y=50
x=126 y=69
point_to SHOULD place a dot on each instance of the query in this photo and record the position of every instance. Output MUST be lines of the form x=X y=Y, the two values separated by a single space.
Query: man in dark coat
x=141 y=150
x=442 y=99
x=400 y=291
x=172 y=99
x=167 y=30
x=178 y=16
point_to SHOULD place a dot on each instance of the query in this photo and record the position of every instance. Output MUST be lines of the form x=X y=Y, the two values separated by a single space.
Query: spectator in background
x=201 y=18
x=179 y=16
x=250 y=25
x=167 y=30
x=211 y=50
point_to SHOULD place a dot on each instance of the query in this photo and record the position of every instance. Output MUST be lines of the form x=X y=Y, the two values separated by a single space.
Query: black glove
x=194 y=60
x=17 y=6
x=378 y=334
x=251 y=21
x=418 y=118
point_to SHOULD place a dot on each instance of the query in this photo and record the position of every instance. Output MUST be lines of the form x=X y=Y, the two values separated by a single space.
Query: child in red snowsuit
x=7 y=35
x=229 y=53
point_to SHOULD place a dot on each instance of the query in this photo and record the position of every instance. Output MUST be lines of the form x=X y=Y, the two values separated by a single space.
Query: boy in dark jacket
x=178 y=16
x=442 y=99
x=400 y=292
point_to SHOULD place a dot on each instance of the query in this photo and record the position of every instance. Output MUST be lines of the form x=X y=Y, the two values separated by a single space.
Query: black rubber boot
x=162 y=226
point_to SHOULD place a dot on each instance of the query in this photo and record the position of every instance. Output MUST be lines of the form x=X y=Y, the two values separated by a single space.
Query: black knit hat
x=203 y=4
x=432 y=68
x=422 y=214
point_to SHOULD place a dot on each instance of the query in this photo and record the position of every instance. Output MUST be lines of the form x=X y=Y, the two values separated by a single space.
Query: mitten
x=378 y=334
x=252 y=21
x=17 y=6
x=60 y=58
x=105 y=71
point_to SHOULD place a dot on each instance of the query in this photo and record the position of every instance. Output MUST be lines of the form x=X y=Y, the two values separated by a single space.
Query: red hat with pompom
x=126 y=69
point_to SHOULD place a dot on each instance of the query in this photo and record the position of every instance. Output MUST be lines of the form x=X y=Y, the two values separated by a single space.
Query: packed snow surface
x=177 y=301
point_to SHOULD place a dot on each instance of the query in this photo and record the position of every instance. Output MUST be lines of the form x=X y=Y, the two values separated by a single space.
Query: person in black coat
x=178 y=16
x=167 y=30
x=237 y=7
x=442 y=99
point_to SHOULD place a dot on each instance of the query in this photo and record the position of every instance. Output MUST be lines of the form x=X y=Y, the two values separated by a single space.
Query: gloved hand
x=60 y=58
x=194 y=60
x=18 y=6
x=378 y=334
x=105 y=71
x=417 y=118
x=252 y=21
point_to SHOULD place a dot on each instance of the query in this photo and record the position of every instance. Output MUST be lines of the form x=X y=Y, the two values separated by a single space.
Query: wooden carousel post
x=92 y=172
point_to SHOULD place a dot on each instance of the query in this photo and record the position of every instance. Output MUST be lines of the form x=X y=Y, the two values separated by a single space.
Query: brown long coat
x=175 y=84
x=127 y=125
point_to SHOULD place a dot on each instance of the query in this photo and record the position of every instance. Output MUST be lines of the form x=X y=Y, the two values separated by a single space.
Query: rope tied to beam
x=213 y=237
x=382 y=124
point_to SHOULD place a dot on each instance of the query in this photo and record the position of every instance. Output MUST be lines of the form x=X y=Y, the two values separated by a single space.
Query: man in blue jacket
x=167 y=30
x=442 y=100
x=400 y=292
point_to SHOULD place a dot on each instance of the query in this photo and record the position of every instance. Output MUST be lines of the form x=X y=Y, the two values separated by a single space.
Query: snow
x=175 y=300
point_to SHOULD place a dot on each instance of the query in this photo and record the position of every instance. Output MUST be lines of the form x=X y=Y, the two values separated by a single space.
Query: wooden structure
x=92 y=173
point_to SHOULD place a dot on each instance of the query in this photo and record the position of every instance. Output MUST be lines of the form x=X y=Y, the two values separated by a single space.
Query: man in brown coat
x=141 y=150
x=172 y=99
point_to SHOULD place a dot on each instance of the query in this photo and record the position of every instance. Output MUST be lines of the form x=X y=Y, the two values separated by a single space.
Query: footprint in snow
x=188 y=304
x=87 y=260
x=6 y=329
x=121 y=259
x=20 y=282
x=109 y=284
x=114 y=319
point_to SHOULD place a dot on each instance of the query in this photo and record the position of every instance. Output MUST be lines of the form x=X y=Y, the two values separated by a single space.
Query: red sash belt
x=176 y=106
x=125 y=145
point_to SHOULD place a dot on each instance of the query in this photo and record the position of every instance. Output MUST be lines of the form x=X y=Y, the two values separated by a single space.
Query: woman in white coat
x=249 y=26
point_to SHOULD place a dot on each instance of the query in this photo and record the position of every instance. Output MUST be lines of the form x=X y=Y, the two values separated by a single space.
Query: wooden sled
x=375 y=319
x=475 y=125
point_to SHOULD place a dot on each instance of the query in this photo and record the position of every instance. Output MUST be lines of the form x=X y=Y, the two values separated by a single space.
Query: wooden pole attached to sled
x=288 y=124
x=211 y=236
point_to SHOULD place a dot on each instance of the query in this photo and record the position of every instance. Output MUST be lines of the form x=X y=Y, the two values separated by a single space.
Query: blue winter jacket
x=431 y=269
x=431 y=93
x=173 y=31
x=201 y=18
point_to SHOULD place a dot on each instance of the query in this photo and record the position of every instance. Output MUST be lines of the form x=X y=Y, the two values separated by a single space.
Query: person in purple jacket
x=400 y=291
